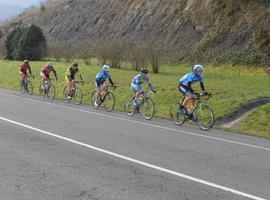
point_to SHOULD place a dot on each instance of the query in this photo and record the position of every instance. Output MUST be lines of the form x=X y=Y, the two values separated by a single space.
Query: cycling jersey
x=138 y=80
x=186 y=81
x=102 y=76
x=190 y=78
x=46 y=70
x=70 y=73
x=24 y=68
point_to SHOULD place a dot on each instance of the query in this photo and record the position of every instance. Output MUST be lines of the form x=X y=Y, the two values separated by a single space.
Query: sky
x=21 y=3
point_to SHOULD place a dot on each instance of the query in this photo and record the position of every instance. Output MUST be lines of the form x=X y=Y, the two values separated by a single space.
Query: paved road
x=62 y=151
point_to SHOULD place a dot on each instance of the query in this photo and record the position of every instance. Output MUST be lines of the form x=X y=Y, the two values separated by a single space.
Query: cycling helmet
x=106 y=68
x=50 y=64
x=75 y=64
x=144 y=70
x=26 y=61
x=198 y=68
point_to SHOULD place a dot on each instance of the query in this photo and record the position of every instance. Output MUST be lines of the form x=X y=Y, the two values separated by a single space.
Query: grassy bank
x=258 y=122
x=231 y=86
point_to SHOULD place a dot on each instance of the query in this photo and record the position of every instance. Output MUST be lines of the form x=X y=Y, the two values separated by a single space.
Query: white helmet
x=106 y=68
x=198 y=68
x=50 y=64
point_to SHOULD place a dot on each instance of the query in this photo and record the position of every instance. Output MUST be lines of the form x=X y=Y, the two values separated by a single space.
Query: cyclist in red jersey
x=23 y=70
x=45 y=72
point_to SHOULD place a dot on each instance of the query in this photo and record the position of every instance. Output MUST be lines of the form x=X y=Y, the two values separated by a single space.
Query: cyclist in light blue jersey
x=136 y=86
x=185 y=86
x=101 y=81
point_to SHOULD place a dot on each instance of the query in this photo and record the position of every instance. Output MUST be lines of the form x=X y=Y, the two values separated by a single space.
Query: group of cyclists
x=104 y=78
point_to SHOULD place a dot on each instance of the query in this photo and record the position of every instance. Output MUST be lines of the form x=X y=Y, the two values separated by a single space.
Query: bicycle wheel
x=148 y=108
x=41 y=90
x=205 y=117
x=21 y=87
x=51 y=92
x=93 y=98
x=177 y=118
x=29 y=88
x=129 y=106
x=78 y=96
x=108 y=102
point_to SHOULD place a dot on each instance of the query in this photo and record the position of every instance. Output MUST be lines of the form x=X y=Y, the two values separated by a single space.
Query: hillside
x=205 y=30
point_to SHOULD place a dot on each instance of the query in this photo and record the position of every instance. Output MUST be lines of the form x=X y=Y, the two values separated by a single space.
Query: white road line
x=147 y=124
x=236 y=192
x=153 y=125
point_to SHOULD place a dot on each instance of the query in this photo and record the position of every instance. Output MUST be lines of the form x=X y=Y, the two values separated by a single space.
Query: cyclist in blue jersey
x=136 y=86
x=185 y=86
x=101 y=81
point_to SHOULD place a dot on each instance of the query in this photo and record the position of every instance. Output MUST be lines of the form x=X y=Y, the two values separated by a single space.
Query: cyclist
x=185 y=87
x=136 y=86
x=23 y=70
x=70 y=77
x=45 y=72
x=101 y=82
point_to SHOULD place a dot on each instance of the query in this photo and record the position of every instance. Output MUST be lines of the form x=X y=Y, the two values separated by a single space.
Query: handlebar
x=199 y=95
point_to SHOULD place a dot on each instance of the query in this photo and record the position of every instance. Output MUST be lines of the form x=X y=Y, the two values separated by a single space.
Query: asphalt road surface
x=58 y=151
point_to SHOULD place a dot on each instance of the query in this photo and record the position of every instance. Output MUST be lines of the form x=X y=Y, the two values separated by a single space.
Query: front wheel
x=108 y=102
x=178 y=119
x=148 y=108
x=51 y=92
x=205 y=117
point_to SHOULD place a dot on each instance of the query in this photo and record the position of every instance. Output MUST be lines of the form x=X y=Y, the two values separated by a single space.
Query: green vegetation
x=26 y=43
x=231 y=86
x=258 y=122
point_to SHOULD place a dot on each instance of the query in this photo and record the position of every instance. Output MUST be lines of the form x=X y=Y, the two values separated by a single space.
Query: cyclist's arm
x=111 y=82
x=202 y=86
x=189 y=86
x=55 y=74
x=30 y=71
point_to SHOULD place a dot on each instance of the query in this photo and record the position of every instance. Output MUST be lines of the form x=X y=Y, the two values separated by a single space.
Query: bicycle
x=106 y=100
x=202 y=114
x=146 y=106
x=47 y=89
x=76 y=92
x=26 y=86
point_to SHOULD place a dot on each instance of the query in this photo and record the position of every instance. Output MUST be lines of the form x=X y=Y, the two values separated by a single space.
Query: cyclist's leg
x=43 y=79
x=137 y=92
x=68 y=85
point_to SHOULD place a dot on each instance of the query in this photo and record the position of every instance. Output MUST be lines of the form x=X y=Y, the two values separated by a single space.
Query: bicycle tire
x=129 y=106
x=108 y=102
x=29 y=88
x=51 y=92
x=177 y=118
x=78 y=96
x=148 y=108
x=93 y=99
x=204 y=117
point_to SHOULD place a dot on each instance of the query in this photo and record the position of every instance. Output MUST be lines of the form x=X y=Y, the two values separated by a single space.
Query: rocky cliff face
x=208 y=30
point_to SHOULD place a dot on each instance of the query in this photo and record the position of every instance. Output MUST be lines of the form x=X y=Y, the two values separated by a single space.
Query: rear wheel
x=29 y=88
x=129 y=106
x=205 y=117
x=41 y=90
x=148 y=108
x=78 y=96
x=51 y=92
x=108 y=102
x=93 y=99
x=177 y=118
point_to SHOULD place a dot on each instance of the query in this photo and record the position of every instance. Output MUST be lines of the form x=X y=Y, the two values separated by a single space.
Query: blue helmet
x=198 y=68
x=106 y=68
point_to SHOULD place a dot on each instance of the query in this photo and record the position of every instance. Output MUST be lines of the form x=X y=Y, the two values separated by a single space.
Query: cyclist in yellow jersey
x=70 y=77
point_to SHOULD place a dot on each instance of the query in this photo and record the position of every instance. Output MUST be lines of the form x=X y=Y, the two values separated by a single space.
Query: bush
x=26 y=43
